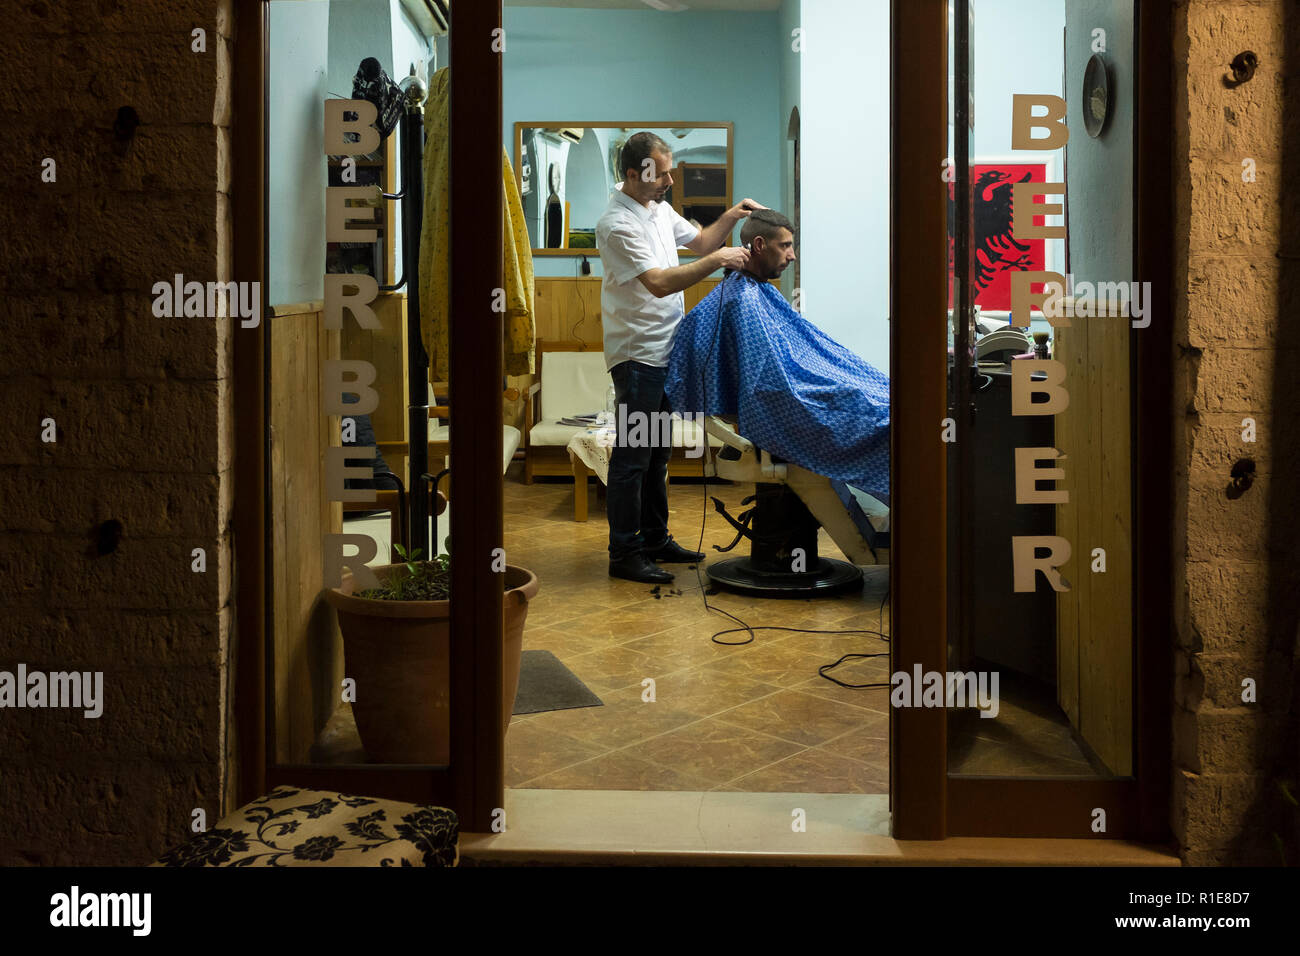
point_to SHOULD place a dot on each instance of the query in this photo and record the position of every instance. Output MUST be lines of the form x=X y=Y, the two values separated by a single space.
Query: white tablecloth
x=594 y=445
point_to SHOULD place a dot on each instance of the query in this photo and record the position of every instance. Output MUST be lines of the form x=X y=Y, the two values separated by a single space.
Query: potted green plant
x=396 y=646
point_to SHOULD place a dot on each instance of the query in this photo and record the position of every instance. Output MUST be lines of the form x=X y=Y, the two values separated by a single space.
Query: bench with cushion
x=296 y=827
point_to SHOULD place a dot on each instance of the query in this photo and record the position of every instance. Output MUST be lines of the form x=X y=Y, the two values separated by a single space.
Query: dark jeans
x=636 y=497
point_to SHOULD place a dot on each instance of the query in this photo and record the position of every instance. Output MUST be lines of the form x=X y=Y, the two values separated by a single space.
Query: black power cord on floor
x=879 y=632
x=704 y=594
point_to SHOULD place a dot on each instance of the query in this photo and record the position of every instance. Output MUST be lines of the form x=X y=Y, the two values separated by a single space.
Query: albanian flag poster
x=997 y=252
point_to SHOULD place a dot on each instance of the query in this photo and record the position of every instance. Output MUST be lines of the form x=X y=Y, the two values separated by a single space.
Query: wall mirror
x=566 y=171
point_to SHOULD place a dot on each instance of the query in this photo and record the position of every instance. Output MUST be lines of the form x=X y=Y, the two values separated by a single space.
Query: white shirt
x=633 y=239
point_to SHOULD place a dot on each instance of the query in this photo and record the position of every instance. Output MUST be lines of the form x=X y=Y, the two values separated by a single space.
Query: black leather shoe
x=637 y=567
x=673 y=553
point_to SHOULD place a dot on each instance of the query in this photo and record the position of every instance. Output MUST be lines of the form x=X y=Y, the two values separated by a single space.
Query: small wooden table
x=589 y=451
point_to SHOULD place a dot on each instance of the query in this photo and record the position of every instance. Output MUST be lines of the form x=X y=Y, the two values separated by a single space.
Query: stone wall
x=138 y=124
x=1237 y=357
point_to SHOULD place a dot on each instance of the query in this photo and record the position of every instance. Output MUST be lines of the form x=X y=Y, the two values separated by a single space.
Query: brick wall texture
x=1236 y=357
x=142 y=407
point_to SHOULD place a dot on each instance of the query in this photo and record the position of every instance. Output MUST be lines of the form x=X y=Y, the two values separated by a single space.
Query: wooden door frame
x=473 y=785
x=250 y=521
x=918 y=293
x=927 y=803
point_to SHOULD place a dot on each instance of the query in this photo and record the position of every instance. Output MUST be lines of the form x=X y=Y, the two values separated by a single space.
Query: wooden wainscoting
x=1094 y=618
x=385 y=349
x=308 y=651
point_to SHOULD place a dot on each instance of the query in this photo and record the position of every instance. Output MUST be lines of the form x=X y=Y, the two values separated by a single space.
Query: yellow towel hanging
x=519 y=333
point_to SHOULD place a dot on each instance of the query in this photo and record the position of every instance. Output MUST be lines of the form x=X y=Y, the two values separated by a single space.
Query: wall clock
x=1096 y=95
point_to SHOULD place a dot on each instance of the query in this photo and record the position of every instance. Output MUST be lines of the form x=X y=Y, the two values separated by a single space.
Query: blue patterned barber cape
x=795 y=392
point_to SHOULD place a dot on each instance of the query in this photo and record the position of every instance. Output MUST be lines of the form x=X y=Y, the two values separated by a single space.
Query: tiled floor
x=754 y=718
x=751 y=718
x=1029 y=737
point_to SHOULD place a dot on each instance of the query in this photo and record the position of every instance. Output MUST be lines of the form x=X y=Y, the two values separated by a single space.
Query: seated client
x=796 y=393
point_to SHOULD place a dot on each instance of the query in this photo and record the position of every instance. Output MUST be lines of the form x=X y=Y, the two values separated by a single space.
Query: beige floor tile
x=688 y=645
x=713 y=750
x=531 y=752
x=785 y=665
x=618 y=770
x=701 y=691
x=697 y=628
x=550 y=596
x=619 y=723
x=868 y=698
x=813 y=771
x=859 y=672
x=679 y=608
x=563 y=644
x=799 y=718
x=998 y=761
x=614 y=667
x=868 y=744
x=612 y=634
x=553 y=615
x=548 y=506
x=621 y=624
x=867 y=619
x=529 y=521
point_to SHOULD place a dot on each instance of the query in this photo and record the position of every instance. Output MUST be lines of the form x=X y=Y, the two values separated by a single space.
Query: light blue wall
x=382 y=29
x=315 y=49
x=1018 y=49
x=358 y=29
x=1030 y=36
x=787 y=23
x=844 y=93
x=408 y=46
x=579 y=66
x=844 y=105
x=1101 y=170
x=298 y=36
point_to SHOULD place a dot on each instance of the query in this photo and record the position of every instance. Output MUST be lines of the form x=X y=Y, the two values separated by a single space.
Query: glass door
x=1046 y=305
x=363 y=235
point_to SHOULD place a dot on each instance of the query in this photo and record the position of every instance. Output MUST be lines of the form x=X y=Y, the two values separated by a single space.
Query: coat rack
x=415 y=92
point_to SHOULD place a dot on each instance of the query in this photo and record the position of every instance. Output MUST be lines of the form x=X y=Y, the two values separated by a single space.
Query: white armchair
x=441 y=434
x=576 y=383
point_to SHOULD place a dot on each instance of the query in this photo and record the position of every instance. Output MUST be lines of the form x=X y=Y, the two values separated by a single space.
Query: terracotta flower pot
x=398 y=652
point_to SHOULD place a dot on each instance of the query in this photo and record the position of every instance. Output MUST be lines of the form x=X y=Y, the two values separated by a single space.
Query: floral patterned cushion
x=292 y=827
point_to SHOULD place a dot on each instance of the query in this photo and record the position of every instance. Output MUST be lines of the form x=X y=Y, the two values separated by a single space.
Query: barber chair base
x=827 y=576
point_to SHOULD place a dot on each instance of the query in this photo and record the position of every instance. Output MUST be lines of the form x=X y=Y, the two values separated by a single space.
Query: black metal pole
x=417 y=359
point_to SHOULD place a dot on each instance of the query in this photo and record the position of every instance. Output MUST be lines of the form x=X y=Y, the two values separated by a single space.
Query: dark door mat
x=546 y=684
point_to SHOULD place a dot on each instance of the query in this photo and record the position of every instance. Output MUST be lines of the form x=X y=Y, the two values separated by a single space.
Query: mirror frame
x=654 y=124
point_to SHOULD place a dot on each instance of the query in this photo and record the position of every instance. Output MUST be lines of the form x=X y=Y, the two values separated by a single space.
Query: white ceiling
x=746 y=6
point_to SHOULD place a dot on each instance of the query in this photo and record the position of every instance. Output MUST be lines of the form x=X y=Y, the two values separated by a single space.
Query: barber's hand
x=732 y=257
x=745 y=207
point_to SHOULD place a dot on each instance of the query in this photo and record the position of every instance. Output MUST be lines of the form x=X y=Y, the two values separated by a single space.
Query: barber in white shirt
x=641 y=305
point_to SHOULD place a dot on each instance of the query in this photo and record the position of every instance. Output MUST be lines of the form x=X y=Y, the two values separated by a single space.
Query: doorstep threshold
x=694 y=828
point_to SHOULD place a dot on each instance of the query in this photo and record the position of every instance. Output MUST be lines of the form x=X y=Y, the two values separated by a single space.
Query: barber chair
x=789 y=504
